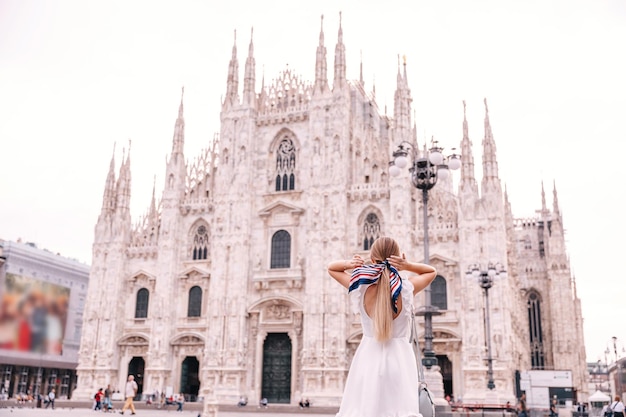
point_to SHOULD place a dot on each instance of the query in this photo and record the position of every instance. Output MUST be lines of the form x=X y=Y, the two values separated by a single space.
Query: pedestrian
x=553 y=411
x=108 y=404
x=522 y=411
x=98 y=397
x=51 y=397
x=617 y=407
x=180 y=401
x=130 y=391
x=382 y=380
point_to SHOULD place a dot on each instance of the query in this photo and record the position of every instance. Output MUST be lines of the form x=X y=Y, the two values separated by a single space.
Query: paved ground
x=26 y=411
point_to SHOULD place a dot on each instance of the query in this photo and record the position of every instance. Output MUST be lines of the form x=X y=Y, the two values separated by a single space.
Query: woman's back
x=383 y=375
x=402 y=320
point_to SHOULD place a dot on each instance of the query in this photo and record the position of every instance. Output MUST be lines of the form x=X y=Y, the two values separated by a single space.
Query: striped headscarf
x=369 y=274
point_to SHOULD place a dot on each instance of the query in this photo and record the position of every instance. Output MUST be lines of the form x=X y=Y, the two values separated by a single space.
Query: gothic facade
x=221 y=290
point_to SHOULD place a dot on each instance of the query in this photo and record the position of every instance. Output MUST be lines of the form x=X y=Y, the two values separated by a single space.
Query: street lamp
x=618 y=367
x=425 y=172
x=485 y=280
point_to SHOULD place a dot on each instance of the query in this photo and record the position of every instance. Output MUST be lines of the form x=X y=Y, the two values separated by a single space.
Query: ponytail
x=383 y=315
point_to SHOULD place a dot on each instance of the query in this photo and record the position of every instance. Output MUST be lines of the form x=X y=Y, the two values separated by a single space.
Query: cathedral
x=220 y=289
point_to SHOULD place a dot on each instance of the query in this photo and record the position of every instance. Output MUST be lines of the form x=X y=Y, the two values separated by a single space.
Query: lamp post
x=425 y=171
x=618 y=367
x=485 y=280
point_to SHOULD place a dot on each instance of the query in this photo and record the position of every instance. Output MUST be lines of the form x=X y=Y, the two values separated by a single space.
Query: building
x=617 y=377
x=599 y=378
x=220 y=289
x=43 y=297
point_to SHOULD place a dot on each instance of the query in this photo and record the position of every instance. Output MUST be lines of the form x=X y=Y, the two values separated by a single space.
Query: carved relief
x=134 y=341
x=254 y=324
x=298 y=322
x=278 y=312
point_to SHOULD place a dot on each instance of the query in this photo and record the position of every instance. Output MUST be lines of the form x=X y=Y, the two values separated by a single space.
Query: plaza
x=83 y=409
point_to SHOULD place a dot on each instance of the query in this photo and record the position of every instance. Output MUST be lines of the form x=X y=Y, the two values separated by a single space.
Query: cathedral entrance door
x=446 y=372
x=135 y=368
x=276 y=385
x=189 y=380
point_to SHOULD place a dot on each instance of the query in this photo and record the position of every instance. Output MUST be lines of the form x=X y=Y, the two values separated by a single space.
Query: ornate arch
x=199 y=238
x=134 y=339
x=187 y=339
x=369 y=226
x=271 y=315
x=284 y=133
x=131 y=346
x=276 y=312
x=446 y=340
x=284 y=151
x=535 y=328
x=294 y=303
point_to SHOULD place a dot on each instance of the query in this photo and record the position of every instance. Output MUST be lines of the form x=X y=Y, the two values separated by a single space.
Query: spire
x=321 y=70
x=507 y=208
x=109 y=197
x=555 y=202
x=544 y=208
x=468 y=180
x=490 y=163
x=361 y=71
x=152 y=213
x=374 y=87
x=398 y=76
x=178 y=141
x=402 y=106
x=262 y=95
x=175 y=164
x=249 y=81
x=123 y=183
x=340 y=61
x=406 y=78
x=232 y=83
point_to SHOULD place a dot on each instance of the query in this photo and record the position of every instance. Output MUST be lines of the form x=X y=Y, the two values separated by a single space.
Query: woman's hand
x=355 y=262
x=425 y=273
x=337 y=269
x=399 y=262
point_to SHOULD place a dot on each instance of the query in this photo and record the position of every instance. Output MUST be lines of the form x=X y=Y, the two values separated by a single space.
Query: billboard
x=33 y=315
x=540 y=385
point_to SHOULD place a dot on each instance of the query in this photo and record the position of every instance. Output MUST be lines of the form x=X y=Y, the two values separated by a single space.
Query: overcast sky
x=78 y=77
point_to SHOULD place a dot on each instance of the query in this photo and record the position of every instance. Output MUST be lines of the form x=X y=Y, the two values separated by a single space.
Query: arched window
x=141 y=306
x=281 y=250
x=195 y=302
x=371 y=231
x=285 y=166
x=200 y=243
x=535 y=331
x=439 y=293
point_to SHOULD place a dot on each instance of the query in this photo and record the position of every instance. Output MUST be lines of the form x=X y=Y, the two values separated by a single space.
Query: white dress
x=382 y=381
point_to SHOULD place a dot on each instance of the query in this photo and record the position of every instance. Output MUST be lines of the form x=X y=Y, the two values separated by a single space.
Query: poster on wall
x=33 y=315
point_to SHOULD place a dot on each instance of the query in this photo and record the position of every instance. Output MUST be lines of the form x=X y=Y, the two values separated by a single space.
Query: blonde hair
x=383 y=248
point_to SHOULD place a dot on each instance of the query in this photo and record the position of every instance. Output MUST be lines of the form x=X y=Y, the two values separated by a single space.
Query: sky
x=83 y=80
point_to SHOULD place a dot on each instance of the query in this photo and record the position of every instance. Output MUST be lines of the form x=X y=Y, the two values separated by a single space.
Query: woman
x=382 y=380
x=617 y=407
